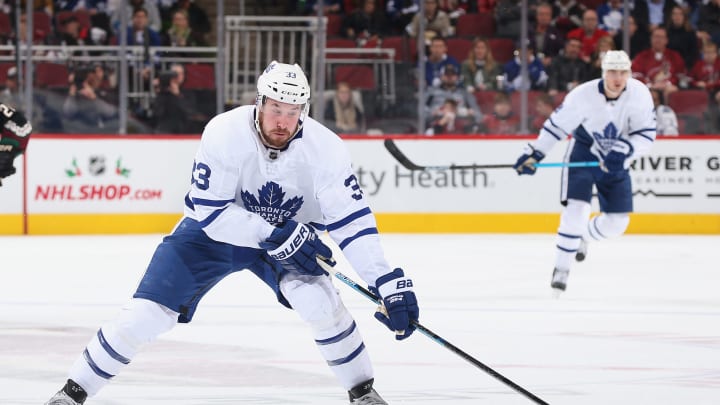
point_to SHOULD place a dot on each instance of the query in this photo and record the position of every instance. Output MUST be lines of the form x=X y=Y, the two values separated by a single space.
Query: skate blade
x=556 y=292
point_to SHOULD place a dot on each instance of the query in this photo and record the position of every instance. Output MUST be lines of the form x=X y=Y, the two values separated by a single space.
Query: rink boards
x=136 y=184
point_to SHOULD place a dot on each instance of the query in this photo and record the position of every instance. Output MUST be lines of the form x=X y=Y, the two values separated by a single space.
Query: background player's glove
x=298 y=248
x=526 y=162
x=616 y=161
x=14 y=123
x=399 y=306
x=6 y=164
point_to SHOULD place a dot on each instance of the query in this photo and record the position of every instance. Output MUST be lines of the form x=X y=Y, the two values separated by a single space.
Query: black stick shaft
x=432 y=335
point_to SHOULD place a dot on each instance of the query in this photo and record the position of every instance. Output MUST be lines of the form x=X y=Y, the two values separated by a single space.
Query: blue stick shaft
x=568 y=164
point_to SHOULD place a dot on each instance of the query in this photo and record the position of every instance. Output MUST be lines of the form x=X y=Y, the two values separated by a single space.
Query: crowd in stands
x=472 y=68
x=81 y=96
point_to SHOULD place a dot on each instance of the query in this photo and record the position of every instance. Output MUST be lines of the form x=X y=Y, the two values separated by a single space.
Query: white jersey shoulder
x=593 y=119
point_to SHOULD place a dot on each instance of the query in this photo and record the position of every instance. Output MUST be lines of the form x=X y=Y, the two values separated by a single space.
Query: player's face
x=615 y=81
x=278 y=122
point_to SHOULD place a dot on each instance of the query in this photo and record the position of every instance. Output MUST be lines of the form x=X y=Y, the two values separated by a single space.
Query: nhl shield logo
x=96 y=166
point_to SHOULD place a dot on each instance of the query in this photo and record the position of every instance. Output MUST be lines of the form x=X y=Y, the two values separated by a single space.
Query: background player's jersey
x=598 y=123
x=240 y=189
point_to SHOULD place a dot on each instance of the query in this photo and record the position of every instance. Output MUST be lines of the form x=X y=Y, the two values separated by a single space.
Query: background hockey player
x=13 y=139
x=611 y=120
x=264 y=179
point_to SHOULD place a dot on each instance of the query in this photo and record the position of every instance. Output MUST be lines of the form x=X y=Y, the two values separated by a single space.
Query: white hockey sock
x=573 y=222
x=115 y=344
x=318 y=303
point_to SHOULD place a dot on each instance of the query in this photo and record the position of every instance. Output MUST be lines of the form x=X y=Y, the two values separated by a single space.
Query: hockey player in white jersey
x=264 y=179
x=612 y=121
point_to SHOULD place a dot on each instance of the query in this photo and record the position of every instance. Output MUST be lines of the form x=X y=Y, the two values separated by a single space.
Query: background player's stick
x=442 y=342
x=408 y=164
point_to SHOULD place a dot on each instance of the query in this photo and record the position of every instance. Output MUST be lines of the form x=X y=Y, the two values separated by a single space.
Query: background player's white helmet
x=285 y=83
x=615 y=60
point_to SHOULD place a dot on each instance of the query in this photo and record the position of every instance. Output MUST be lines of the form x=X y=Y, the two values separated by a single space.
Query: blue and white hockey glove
x=399 y=306
x=616 y=161
x=298 y=248
x=526 y=162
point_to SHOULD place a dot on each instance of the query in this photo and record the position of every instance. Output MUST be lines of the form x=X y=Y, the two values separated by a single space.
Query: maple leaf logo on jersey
x=607 y=138
x=270 y=203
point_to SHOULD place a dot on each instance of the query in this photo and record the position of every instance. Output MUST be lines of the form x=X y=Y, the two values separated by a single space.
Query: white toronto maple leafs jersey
x=240 y=189
x=596 y=122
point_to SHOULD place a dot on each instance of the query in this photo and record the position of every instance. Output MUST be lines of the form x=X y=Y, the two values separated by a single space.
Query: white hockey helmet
x=285 y=83
x=615 y=60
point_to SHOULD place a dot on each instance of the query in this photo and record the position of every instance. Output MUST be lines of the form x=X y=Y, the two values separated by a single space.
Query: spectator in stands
x=568 y=15
x=400 y=13
x=502 y=120
x=97 y=9
x=595 y=66
x=139 y=32
x=344 y=112
x=681 y=37
x=468 y=111
x=173 y=111
x=706 y=75
x=180 y=33
x=667 y=122
x=70 y=33
x=454 y=9
x=544 y=106
x=479 y=70
x=197 y=17
x=10 y=95
x=437 y=23
x=546 y=37
x=567 y=70
x=659 y=66
x=445 y=120
x=83 y=110
x=151 y=10
x=639 y=38
x=437 y=60
x=709 y=22
x=588 y=34
x=21 y=33
x=366 y=23
x=610 y=16
x=651 y=13
x=536 y=73
x=507 y=18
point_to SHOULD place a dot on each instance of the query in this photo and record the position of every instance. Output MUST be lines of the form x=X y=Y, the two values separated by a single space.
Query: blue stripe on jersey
x=595 y=227
x=105 y=345
x=338 y=337
x=566 y=249
x=355 y=215
x=556 y=126
x=348 y=358
x=188 y=202
x=97 y=370
x=640 y=131
x=318 y=226
x=212 y=203
x=207 y=221
x=366 y=231
x=559 y=138
x=569 y=236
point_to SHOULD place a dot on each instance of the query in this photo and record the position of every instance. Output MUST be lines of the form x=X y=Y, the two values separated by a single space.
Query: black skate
x=559 y=279
x=364 y=394
x=581 y=252
x=70 y=394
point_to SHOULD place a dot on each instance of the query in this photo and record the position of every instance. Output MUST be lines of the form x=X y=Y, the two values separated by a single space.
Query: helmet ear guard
x=284 y=83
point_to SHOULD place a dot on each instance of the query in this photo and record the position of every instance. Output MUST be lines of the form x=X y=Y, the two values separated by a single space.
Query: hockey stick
x=442 y=342
x=408 y=164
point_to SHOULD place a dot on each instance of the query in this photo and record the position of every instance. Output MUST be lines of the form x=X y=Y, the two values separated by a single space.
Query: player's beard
x=275 y=138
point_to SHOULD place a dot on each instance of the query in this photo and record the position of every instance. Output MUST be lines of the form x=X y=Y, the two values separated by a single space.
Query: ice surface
x=639 y=324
